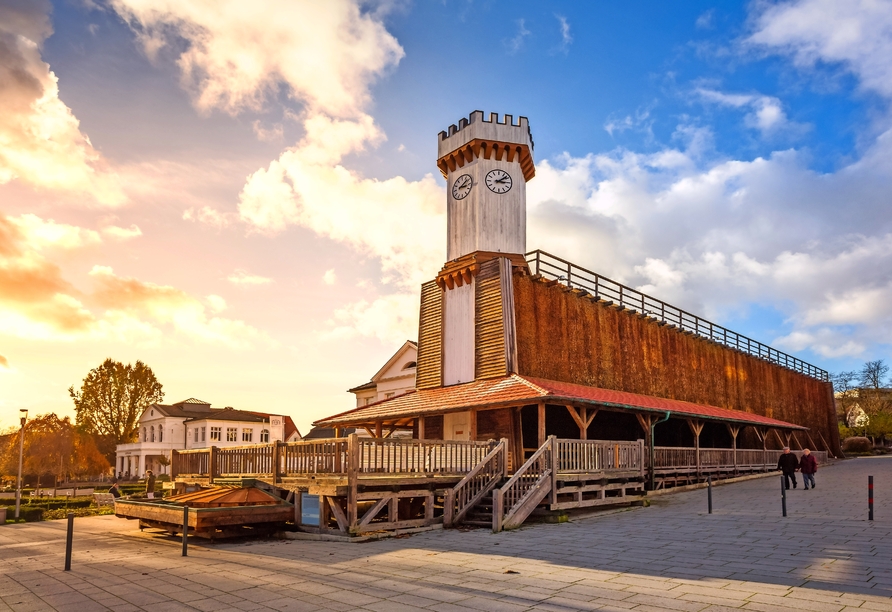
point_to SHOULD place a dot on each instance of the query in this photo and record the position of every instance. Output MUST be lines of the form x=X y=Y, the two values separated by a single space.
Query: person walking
x=150 y=484
x=788 y=464
x=808 y=465
x=115 y=490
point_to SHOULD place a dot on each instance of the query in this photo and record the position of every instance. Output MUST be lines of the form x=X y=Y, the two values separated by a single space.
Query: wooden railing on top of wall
x=604 y=288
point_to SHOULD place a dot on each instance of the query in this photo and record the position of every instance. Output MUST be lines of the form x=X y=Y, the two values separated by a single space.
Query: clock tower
x=467 y=318
x=486 y=164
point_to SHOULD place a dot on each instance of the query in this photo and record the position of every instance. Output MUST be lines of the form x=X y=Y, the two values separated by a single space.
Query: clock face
x=462 y=187
x=498 y=181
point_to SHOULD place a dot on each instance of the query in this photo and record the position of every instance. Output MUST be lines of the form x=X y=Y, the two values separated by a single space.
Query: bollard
x=68 y=540
x=783 y=496
x=870 y=498
x=709 y=492
x=185 y=530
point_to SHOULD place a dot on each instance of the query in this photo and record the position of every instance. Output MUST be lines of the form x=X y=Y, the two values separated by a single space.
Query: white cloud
x=856 y=34
x=216 y=303
x=329 y=278
x=390 y=318
x=515 y=44
x=40 y=139
x=122 y=233
x=238 y=54
x=41 y=233
x=566 y=37
x=209 y=216
x=706 y=21
x=766 y=113
x=244 y=278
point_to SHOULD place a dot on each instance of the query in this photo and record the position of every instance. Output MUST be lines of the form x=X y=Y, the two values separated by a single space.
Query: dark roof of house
x=516 y=389
x=369 y=385
x=319 y=433
x=196 y=410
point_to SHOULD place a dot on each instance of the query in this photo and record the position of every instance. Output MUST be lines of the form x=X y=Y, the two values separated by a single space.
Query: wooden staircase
x=481 y=513
x=487 y=497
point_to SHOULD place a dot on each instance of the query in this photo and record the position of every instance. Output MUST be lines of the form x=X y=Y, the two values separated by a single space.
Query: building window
x=389 y=395
x=145 y=435
x=196 y=434
x=203 y=430
x=216 y=434
x=247 y=435
x=161 y=433
x=264 y=436
x=232 y=434
x=368 y=401
x=153 y=433
x=409 y=365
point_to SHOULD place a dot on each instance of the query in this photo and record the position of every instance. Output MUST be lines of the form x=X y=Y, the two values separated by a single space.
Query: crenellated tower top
x=477 y=137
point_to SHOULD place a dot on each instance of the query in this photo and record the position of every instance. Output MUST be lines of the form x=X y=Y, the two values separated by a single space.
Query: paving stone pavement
x=825 y=556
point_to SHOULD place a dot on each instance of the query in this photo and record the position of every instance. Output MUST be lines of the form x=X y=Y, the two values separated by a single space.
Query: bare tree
x=111 y=400
x=845 y=393
x=873 y=374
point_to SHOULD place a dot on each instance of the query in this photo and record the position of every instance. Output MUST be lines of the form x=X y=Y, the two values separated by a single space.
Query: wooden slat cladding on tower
x=506 y=272
x=490 y=354
x=429 y=371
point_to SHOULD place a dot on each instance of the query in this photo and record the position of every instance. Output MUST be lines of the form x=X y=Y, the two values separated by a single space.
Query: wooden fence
x=373 y=456
x=667 y=458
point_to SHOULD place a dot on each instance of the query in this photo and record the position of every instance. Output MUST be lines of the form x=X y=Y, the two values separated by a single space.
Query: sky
x=244 y=195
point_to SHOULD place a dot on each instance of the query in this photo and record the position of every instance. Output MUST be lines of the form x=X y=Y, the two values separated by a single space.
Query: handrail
x=510 y=497
x=476 y=484
x=603 y=288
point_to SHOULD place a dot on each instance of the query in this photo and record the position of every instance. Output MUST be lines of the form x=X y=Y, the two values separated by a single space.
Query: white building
x=193 y=423
x=396 y=377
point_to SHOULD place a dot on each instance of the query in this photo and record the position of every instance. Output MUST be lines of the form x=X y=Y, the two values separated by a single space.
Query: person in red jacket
x=808 y=465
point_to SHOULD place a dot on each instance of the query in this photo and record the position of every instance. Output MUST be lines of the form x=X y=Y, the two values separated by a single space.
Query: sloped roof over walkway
x=517 y=390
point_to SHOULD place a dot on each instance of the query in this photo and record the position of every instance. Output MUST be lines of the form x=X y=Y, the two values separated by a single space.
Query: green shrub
x=31 y=515
x=857 y=444
x=61 y=513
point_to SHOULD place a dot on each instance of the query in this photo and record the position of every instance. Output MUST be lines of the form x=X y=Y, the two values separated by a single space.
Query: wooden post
x=276 y=450
x=504 y=443
x=379 y=427
x=498 y=509
x=338 y=431
x=555 y=464
x=212 y=464
x=540 y=438
x=420 y=428
x=696 y=427
x=733 y=430
x=645 y=421
x=174 y=464
x=449 y=507
x=352 y=477
x=472 y=425
x=298 y=507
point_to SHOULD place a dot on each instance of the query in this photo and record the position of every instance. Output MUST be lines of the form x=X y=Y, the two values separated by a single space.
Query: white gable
x=396 y=365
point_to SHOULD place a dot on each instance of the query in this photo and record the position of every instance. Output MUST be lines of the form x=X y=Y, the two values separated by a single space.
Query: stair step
x=478 y=523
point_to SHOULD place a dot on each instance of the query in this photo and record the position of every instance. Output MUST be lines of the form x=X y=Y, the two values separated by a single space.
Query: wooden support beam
x=373 y=511
x=593 y=412
x=420 y=428
x=472 y=425
x=378 y=429
x=807 y=435
x=540 y=438
x=574 y=412
x=390 y=430
x=338 y=514
x=298 y=507
x=371 y=433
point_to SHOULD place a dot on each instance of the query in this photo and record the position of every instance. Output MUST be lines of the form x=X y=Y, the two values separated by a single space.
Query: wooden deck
x=373 y=484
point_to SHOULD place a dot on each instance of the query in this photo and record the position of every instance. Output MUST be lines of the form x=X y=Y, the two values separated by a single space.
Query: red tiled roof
x=515 y=389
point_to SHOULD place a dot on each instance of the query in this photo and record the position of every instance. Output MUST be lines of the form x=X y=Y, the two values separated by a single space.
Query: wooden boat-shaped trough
x=219 y=512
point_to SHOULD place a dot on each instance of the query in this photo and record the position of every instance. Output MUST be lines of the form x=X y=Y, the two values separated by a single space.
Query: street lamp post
x=18 y=491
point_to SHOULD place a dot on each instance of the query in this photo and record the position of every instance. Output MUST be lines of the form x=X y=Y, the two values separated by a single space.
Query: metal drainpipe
x=653 y=468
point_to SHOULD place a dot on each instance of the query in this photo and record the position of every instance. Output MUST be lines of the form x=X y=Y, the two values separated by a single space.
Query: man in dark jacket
x=788 y=464
x=808 y=465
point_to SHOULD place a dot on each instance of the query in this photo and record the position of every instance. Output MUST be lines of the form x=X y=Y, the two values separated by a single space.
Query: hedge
x=31 y=515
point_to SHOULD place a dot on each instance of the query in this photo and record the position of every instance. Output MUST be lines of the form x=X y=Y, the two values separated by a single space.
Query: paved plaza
x=825 y=556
